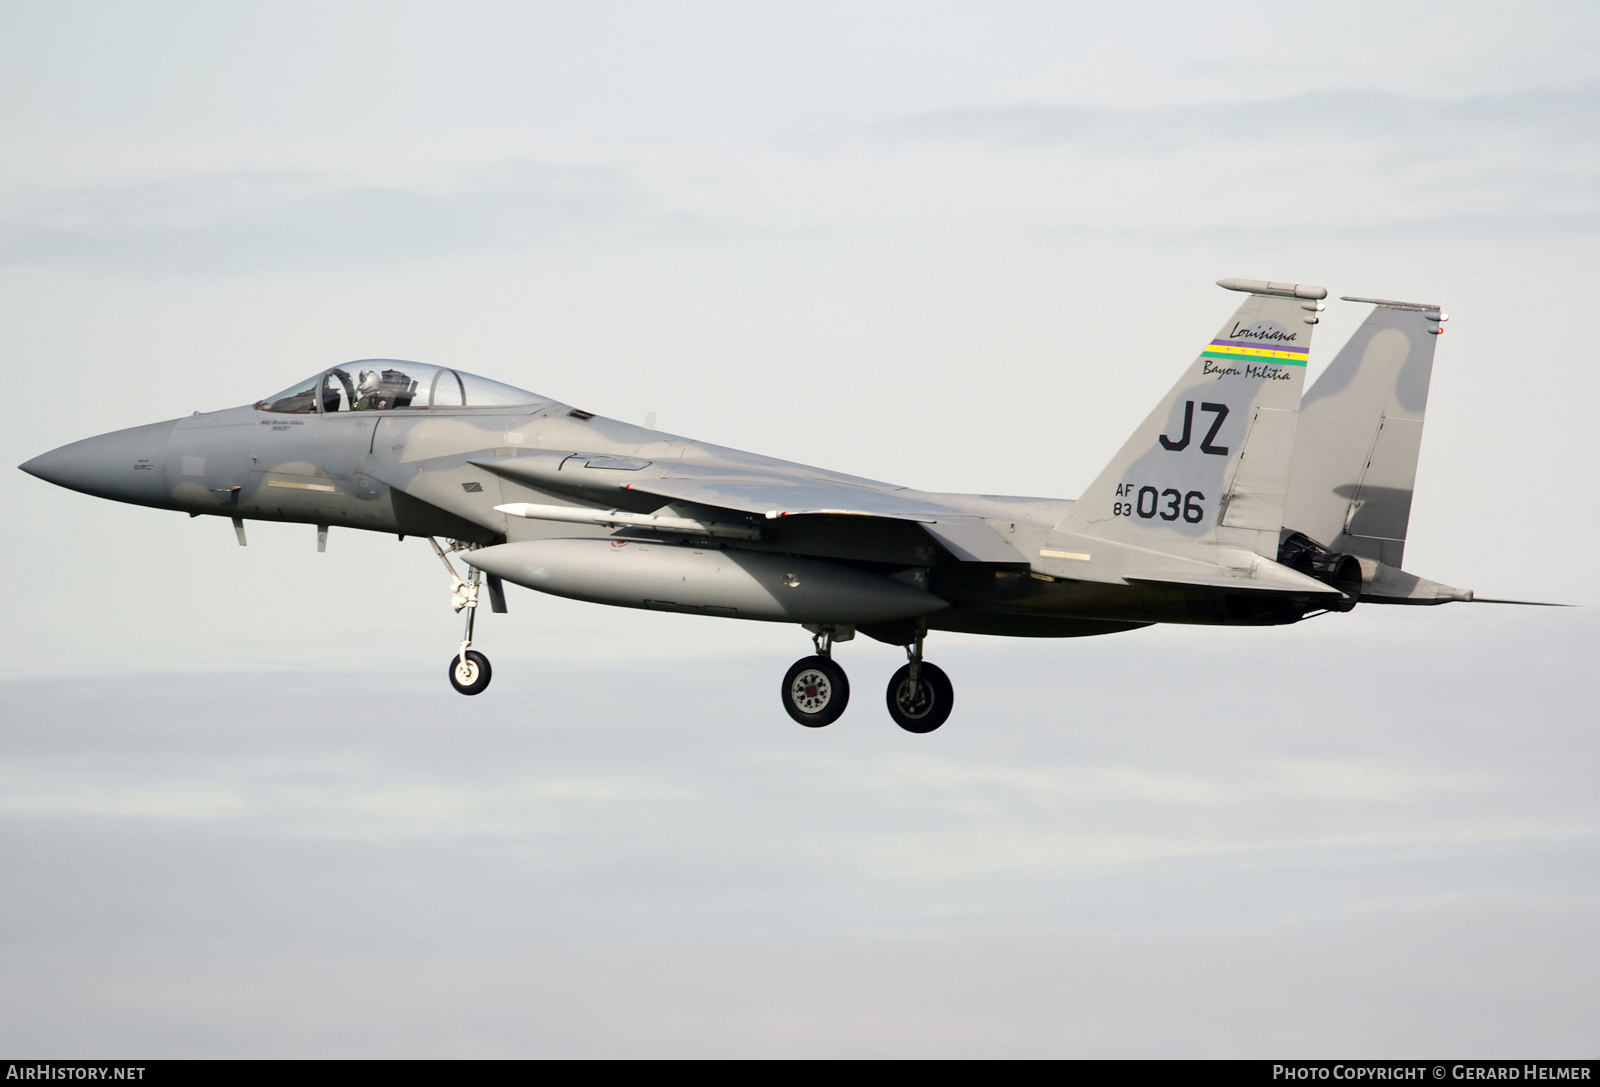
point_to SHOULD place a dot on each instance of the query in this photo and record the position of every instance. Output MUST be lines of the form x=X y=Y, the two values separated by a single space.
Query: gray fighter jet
x=1236 y=502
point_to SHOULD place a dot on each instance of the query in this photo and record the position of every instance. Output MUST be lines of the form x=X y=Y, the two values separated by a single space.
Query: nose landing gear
x=469 y=670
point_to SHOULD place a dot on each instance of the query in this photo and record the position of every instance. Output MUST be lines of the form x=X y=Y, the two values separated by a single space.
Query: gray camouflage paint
x=1028 y=567
x=1355 y=467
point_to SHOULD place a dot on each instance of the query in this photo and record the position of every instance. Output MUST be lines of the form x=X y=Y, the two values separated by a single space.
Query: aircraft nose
x=125 y=465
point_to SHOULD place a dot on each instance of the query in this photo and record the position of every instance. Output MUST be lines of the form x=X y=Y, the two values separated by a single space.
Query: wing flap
x=970 y=540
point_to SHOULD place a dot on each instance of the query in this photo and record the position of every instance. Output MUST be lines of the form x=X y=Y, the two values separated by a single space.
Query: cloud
x=1485 y=227
x=1175 y=845
x=1337 y=158
x=1325 y=160
x=1242 y=127
x=241 y=222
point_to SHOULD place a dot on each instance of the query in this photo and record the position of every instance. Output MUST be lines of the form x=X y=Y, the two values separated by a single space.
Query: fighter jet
x=1236 y=503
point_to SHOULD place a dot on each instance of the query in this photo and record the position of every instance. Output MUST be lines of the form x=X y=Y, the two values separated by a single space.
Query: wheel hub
x=811 y=692
x=914 y=700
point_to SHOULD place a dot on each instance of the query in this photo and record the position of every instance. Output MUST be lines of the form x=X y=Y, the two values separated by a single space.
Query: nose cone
x=125 y=465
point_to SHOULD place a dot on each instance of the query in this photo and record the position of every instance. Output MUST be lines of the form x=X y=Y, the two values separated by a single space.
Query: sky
x=954 y=246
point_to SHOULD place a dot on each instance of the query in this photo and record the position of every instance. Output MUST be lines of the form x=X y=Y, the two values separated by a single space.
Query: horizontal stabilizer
x=1385 y=584
x=1241 y=572
x=1239 y=585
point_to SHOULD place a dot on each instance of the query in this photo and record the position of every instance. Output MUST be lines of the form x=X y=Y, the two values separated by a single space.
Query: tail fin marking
x=1210 y=465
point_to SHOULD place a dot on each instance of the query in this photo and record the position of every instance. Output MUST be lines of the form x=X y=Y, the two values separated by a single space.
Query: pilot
x=368 y=392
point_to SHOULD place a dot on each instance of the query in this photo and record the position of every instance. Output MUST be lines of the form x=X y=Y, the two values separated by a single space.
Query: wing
x=630 y=483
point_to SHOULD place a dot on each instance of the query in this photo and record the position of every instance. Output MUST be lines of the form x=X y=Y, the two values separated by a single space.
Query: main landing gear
x=920 y=696
x=469 y=670
x=816 y=690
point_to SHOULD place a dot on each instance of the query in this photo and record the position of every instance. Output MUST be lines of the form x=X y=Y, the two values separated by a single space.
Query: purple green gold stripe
x=1268 y=347
x=1234 y=351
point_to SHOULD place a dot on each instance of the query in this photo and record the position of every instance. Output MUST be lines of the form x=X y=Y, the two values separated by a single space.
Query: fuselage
x=362 y=462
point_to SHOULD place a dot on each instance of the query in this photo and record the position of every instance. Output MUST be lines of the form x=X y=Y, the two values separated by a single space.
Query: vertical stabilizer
x=1355 y=462
x=1210 y=465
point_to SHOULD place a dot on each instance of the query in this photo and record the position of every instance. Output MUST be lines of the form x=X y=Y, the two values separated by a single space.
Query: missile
x=705 y=581
x=577 y=515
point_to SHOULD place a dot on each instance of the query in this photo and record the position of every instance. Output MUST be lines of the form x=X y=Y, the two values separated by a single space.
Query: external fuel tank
x=706 y=581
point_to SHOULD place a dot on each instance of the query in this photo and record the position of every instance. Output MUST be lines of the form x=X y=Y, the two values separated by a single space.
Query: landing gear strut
x=920 y=695
x=816 y=690
x=469 y=670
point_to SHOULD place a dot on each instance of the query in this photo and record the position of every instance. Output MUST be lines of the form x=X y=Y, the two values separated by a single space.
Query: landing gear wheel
x=470 y=672
x=925 y=706
x=815 y=691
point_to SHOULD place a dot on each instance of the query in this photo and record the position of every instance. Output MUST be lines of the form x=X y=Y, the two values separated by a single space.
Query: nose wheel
x=470 y=672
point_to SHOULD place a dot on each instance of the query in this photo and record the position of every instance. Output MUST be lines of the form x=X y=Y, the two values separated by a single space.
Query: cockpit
x=393 y=385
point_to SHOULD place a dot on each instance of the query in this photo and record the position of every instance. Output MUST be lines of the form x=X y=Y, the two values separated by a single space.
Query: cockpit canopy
x=391 y=385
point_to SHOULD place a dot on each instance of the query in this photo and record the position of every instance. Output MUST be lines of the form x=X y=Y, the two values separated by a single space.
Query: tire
x=927 y=707
x=815 y=691
x=470 y=675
